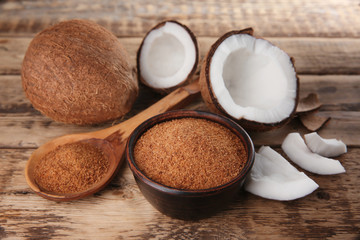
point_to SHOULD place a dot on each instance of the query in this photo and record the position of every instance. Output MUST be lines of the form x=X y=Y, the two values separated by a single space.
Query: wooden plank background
x=308 y=18
x=322 y=36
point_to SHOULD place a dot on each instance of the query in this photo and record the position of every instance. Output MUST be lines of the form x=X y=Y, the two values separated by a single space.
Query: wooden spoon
x=111 y=140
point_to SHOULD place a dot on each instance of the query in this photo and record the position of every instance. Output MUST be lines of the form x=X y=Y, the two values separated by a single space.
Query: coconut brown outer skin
x=211 y=101
x=188 y=79
x=78 y=72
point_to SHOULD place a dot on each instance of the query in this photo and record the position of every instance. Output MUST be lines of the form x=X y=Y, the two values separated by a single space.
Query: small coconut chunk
x=273 y=177
x=296 y=149
x=167 y=56
x=253 y=79
x=324 y=147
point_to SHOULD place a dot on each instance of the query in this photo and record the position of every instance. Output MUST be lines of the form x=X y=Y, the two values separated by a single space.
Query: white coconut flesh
x=253 y=79
x=296 y=149
x=324 y=147
x=273 y=177
x=168 y=55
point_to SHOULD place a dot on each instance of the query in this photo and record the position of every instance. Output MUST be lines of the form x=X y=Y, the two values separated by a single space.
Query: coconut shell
x=78 y=72
x=312 y=121
x=188 y=79
x=309 y=103
x=211 y=100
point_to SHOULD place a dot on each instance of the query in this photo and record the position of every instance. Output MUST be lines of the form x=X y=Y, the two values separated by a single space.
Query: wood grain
x=332 y=211
x=274 y=18
x=312 y=55
x=22 y=126
x=324 y=38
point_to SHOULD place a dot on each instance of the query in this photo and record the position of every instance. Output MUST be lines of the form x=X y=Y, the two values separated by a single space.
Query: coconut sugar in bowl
x=189 y=164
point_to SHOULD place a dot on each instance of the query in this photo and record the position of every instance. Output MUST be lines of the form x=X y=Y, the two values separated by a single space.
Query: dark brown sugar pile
x=190 y=153
x=70 y=168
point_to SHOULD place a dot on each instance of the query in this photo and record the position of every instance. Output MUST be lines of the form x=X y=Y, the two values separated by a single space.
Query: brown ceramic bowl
x=189 y=204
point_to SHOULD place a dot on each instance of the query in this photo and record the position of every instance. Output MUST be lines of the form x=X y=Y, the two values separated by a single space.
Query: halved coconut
x=273 y=177
x=296 y=149
x=325 y=147
x=250 y=80
x=168 y=56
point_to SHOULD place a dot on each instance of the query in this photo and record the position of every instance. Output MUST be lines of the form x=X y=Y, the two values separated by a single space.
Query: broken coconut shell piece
x=250 y=80
x=324 y=147
x=273 y=177
x=312 y=121
x=167 y=57
x=296 y=149
x=309 y=103
x=308 y=114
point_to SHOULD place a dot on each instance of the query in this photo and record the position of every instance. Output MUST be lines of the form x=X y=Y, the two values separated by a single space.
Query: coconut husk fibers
x=212 y=102
x=78 y=72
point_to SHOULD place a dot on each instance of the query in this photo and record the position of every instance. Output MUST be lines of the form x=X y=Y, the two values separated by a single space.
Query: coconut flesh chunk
x=296 y=149
x=253 y=79
x=324 y=147
x=168 y=55
x=273 y=177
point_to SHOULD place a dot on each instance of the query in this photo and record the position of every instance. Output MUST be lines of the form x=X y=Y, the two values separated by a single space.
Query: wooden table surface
x=323 y=37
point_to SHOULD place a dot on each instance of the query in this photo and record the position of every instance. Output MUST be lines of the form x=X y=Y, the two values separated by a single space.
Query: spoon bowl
x=109 y=153
x=111 y=141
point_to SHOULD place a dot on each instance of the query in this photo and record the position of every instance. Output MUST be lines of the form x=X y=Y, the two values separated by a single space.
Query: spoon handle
x=174 y=100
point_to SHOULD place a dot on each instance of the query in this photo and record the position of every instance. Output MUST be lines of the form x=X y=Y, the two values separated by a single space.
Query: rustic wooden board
x=324 y=38
x=31 y=132
x=336 y=92
x=332 y=211
x=312 y=55
x=331 y=18
x=22 y=126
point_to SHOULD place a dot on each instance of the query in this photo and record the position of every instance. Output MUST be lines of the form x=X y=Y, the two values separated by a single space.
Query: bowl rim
x=178 y=114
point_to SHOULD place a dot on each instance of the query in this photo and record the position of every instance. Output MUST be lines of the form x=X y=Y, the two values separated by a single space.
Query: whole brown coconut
x=249 y=80
x=78 y=72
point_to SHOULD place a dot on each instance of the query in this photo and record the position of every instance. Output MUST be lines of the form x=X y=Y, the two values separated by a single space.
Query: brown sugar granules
x=190 y=153
x=71 y=168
